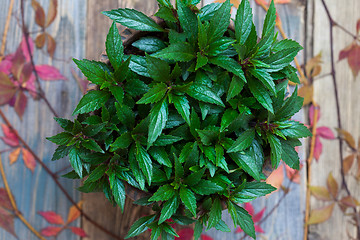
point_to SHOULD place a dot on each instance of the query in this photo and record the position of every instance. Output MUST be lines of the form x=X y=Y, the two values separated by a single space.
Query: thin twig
x=55 y=178
x=13 y=203
x=7 y=24
x=26 y=35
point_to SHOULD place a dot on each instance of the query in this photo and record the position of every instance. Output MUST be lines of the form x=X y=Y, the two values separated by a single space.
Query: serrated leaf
x=200 y=61
x=97 y=173
x=281 y=59
x=114 y=47
x=75 y=161
x=166 y=14
x=169 y=208
x=189 y=200
x=163 y=193
x=92 y=145
x=145 y=162
x=60 y=152
x=140 y=226
x=155 y=94
x=61 y=138
x=205 y=94
x=276 y=150
x=117 y=92
x=158 y=70
x=243 y=141
x=236 y=85
x=248 y=162
x=125 y=115
x=92 y=101
x=265 y=78
x=257 y=189
x=244 y=220
x=261 y=94
x=160 y=155
x=206 y=187
x=92 y=130
x=164 y=140
x=269 y=22
x=65 y=124
x=230 y=65
x=219 y=22
x=188 y=20
x=296 y=130
x=215 y=213
x=289 y=155
x=207 y=137
x=207 y=12
x=182 y=106
x=180 y=51
x=228 y=117
x=122 y=142
x=149 y=44
x=158 y=117
x=291 y=106
x=243 y=22
x=134 y=19
x=138 y=65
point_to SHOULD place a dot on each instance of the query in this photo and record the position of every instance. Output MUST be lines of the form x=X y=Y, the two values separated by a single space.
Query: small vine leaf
x=5 y=202
x=306 y=92
x=332 y=185
x=10 y=138
x=348 y=162
x=349 y=201
x=7 y=221
x=325 y=132
x=321 y=215
x=78 y=231
x=14 y=155
x=50 y=231
x=40 y=40
x=317 y=148
x=29 y=159
x=74 y=213
x=321 y=193
x=358 y=26
x=20 y=104
x=49 y=73
x=52 y=217
x=311 y=114
x=349 y=139
x=52 y=11
x=7 y=87
x=51 y=45
x=39 y=13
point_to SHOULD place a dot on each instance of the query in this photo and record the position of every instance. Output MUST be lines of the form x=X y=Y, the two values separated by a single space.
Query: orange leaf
x=39 y=13
x=29 y=159
x=320 y=193
x=51 y=45
x=347 y=136
x=348 y=162
x=74 y=213
x=276 y=178
x=50 y=231
x=40 y=40
x=306 y=92
x=332 y=185
x=14 y=155
x=321 y=215
x=349 y=201
x=52 y=217
x=51 y=12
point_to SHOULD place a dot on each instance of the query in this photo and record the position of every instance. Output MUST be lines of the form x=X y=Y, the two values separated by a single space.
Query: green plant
x=188 y=115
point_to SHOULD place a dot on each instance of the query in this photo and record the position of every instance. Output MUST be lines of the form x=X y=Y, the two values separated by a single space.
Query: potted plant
x=185 y=114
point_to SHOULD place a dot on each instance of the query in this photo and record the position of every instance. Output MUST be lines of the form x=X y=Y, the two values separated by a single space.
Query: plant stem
x=55 y=178
x=13 y=203
x=6 y=28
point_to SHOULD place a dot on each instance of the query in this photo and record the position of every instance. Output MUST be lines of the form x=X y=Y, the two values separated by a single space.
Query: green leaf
x=158 y=70
x=65 y=124
x=243 y=22
x=206 y=187
x=144 y=161
x=269 y=22
x=179 y=169
x=188 y=20
x=261 y=94
x=219 y=154
x=284 y=44
x=195 y=177
x=244 y=220
x=160 y=155
x=215 y=213
x=118 y=190
x=205 y=94
x=289 y=155
x=114 y=47
x=219 y=22
x=92 y=145
x=134 y=166
x=281 y=59
x=121 y=142
x=180 y=51
x=133 y=19
x=194 y=123
x=185 y=152
x=155 y=94
x=198 y=230
x=165 y=3
x=296 y=130
x=207 y=12
x=164 y=140
x=189 y=200
x=149 y=44
x=257 y=189
x=236 y=85
x=169 y=208
x=166 y=14
x=61 y=138
x=140 y=226
x=207 y=137
x=182 y=106
x=168 y=229
x=228 y=117
x=247 y=162
x=138 y=65
x=117 y=92
x=94 y=71
x=92 y=101
x=243 y=141
x=200 y=61
x=230 y=65
x=291 y=106
x=265 y=78
x=164 y=193
x=276 y=150
x=97 y=173
x=60 y=152
x=125 y=115
x=92 y=130
x=75 y=161
x=158 y=117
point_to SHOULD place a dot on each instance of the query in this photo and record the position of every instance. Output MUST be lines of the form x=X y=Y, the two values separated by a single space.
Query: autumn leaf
x=78 y=231
x=74 y=213
x=348 y=162
x=306 y=92
x=206 y=237
x=49 y=73
x=14 y=155
x=352 y=53
x=185 y=234
x=256 y=217
x=349 y=201
x=349 y=139
x=321 y=215
x=332 y=186
x=320 y=193
x=39 y=13
x=52 y=11
x=10 y=137
x=7 y=221
x=20 y=104
x=325 y=132
x=51 y=45
x=29 y=159
x=50 y=231
x=52 y=217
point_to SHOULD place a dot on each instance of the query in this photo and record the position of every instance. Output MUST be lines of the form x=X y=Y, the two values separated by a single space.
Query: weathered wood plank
x=349 y=89
x=37 y=192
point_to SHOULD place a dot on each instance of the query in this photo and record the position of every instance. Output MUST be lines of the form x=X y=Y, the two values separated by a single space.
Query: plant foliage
x=188 y=115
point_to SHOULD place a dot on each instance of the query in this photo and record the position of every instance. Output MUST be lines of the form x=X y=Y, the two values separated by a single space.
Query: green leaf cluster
x=188 y=112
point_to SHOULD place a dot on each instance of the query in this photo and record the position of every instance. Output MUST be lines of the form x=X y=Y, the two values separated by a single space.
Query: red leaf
x=74 y=213
x=51 y=12
x=345 y=52
x=49 y=73
x=29 y=159
x=24 y=48
x=358 y=26
x=321 y=215
x=249 y=207
x=5 y=65
x=5 y=200
x=311 y=114
x=39 y=13
x=325 y=132
x=52 y=217
x=354 y=60
x=50 y=231
x=276 y=178
x=7 y=89
x=317 y=148
x=14 y=155
x=257 y=217
x=206 y=237
x=185 y=234
x=7 y=221
x=78 y=231
x=10 y=137
x=258 y=229
x=20 y=104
